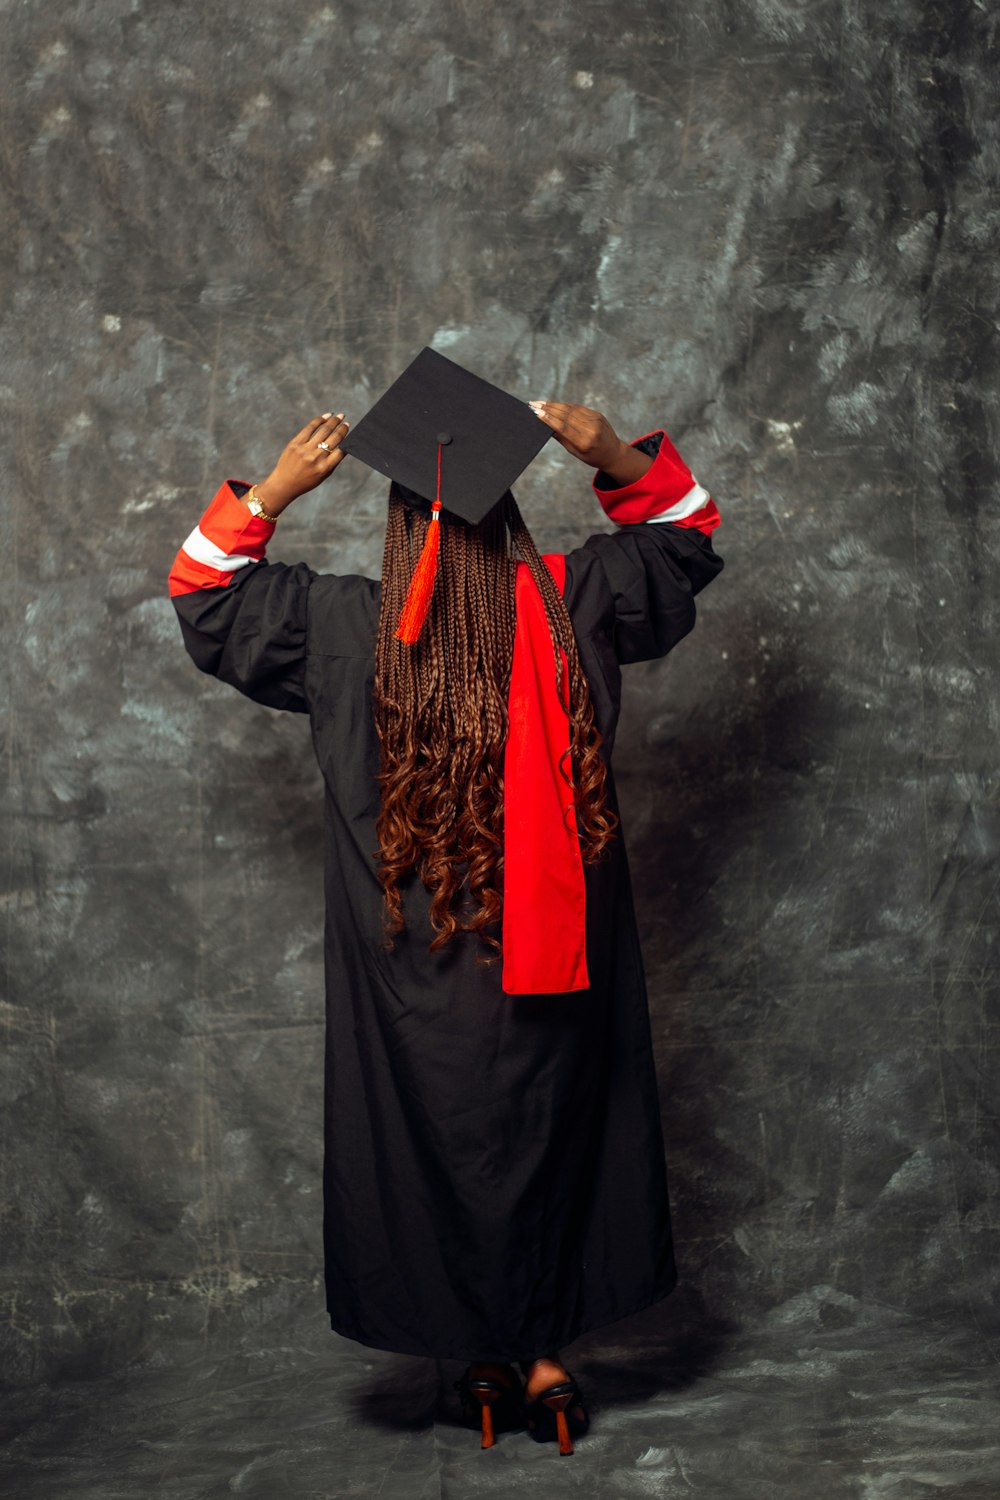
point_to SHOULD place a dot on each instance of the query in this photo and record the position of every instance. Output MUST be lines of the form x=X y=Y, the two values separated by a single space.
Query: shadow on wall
x=811 y=1066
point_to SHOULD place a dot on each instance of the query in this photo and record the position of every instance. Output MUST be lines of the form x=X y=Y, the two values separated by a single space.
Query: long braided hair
x=441 y=718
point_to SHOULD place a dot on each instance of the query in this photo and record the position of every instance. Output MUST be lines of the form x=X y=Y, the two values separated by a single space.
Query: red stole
x=544 y=904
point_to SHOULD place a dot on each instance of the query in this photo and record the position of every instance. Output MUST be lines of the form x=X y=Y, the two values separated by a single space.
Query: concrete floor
x=829 y=1397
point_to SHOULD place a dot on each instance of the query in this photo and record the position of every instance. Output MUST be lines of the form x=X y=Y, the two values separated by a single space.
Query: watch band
x=256 y=505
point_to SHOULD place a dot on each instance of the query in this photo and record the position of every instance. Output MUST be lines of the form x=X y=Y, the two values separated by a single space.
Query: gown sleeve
x=243 y=619
x=639 y=582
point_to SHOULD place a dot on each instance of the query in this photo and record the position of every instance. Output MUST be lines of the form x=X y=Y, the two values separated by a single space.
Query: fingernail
x=327 y=414
x=340 y=416
x=536 y=404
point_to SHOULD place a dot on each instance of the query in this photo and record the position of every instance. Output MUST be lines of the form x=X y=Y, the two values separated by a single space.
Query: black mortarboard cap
x=487 y=436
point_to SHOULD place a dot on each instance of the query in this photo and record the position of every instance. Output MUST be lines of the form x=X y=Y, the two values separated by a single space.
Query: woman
x=494 y=1174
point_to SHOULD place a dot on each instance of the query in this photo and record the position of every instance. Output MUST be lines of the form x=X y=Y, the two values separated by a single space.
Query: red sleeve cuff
x=229 y=521
x=668 y=491
x=228 y=537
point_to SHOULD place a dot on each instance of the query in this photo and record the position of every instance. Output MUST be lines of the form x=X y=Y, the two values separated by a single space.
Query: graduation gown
x=494 y=1179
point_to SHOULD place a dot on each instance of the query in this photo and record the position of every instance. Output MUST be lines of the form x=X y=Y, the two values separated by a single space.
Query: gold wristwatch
x=256 y=505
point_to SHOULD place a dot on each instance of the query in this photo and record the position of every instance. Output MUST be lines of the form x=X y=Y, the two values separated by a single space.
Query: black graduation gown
x=494 y=1172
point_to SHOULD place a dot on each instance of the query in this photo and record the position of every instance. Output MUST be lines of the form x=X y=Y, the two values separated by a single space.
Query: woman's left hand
x=585 y=433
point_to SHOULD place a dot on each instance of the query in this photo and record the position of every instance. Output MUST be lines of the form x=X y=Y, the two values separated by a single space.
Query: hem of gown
x=559 y=1341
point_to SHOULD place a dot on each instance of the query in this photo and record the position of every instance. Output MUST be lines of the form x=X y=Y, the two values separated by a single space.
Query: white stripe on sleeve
x=203 y=550
x=685 y=506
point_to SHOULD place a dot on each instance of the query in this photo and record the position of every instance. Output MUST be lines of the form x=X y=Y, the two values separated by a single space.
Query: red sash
x=544 y=904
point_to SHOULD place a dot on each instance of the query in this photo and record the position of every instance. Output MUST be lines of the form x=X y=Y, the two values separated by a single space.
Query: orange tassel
x=418 y=595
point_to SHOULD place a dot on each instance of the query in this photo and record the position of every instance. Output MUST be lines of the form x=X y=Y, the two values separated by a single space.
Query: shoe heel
x=486 y=1395
x=558 y=1403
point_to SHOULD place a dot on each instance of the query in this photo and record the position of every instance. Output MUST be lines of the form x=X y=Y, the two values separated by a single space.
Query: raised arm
x=245 y=619
x=637 y=582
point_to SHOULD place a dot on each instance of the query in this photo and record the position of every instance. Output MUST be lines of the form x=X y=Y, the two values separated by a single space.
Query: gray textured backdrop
x=770 y=227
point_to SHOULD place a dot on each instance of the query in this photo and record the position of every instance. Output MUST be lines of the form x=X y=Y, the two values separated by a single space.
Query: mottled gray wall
x=770 y=227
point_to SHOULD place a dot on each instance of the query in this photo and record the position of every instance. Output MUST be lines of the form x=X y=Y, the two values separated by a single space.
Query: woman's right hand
x=584 y=432
x=303 y=465
x=589 y=436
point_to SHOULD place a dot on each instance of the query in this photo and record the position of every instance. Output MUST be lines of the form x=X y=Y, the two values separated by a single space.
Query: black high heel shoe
x=491 y=1404
x=552 y=1414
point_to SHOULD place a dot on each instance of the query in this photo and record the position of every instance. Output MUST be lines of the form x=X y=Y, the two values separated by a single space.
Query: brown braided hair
x=441 y=718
